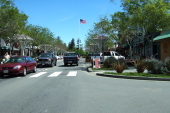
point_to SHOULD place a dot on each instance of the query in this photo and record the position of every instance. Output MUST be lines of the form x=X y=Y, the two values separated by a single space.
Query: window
x=107 y=54
x=30 y=59
x=116 y=54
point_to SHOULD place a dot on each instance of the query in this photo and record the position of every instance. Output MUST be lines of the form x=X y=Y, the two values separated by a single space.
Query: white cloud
x=65 y=19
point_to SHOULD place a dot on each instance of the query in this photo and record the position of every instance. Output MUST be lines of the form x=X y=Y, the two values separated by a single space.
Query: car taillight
x=76 y=57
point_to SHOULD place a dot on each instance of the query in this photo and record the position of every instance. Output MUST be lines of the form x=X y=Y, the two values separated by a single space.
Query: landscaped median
x=130 y=74
x=135 y=75
x=143 y=69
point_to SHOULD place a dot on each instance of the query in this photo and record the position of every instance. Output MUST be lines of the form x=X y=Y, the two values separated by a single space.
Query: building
x=162 y=44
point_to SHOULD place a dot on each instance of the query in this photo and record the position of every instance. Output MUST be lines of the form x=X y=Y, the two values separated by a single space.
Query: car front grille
x=7 y=68
x=43 y=59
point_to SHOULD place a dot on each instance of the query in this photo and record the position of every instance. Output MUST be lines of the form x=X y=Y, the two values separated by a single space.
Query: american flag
x=82 y=21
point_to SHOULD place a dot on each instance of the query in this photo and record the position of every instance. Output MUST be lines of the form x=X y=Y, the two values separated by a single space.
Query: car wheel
x=35 y=69
x=1 y=76
x=24 y=73
x=77 y=64
x=65 y=64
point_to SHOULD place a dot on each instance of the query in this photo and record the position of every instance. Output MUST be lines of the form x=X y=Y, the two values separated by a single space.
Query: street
x=71 y=89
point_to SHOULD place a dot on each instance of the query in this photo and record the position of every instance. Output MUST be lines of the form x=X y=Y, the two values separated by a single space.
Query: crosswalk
x=54 y=74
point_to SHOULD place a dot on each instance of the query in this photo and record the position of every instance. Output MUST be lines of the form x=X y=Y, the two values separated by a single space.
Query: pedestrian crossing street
x=54 y=74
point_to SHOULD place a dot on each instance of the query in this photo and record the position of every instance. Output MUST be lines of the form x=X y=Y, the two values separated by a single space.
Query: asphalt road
x=71 y=89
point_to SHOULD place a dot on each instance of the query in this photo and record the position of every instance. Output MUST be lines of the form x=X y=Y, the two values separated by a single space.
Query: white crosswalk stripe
x=55 y=74
x=38 y=74
x=72 y=73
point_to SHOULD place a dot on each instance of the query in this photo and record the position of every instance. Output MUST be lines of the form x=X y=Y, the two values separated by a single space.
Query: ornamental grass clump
x=108 y=62
x=111 y=60
x=119 y=66
x=140 y=65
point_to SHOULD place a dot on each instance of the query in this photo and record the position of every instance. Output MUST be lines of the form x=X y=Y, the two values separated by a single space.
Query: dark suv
x=47 y=59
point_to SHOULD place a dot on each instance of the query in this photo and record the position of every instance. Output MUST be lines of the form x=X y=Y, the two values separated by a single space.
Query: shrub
x=140 y=65
x=167 y=66
x=111 y=60
x=167 y=63
x=155 y=66
x=119 y=66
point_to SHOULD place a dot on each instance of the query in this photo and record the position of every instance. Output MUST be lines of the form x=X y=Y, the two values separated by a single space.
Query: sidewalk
x=130 y=69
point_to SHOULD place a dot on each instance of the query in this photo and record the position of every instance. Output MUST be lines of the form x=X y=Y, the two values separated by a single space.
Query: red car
x=18 y=65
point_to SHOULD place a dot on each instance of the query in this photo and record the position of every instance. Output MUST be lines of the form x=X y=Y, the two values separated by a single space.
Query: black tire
x=24 y=73
x=1 y=76
x=77 y=64
x=65 y=64
x=35 y=69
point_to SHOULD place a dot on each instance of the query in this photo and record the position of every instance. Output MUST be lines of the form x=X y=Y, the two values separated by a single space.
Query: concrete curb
x=128 y=77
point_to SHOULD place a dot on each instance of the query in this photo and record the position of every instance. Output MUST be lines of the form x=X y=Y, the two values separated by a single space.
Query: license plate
x=5 y=71
x=69 y=61
x=43 y=64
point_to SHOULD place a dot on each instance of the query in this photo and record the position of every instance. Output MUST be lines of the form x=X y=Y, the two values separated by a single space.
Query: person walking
x=6 y=56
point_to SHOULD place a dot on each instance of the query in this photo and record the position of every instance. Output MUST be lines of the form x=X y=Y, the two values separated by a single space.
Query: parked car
x=108 y=54
x=47 y=59
x=70 y=58
x=18 y=65
x=57 y=57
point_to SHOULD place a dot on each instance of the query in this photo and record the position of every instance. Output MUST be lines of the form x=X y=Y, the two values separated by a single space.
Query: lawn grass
x=139 y=74
x=102 y=69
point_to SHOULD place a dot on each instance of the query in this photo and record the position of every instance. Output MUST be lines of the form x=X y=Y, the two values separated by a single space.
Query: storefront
x=162 y=45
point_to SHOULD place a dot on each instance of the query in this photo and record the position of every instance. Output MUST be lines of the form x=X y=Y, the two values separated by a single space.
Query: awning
x=126 y=46
x=16 y=49
x=164 y=35
x=4 y=47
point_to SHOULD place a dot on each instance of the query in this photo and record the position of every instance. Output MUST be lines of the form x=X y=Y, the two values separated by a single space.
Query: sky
x=62 y=17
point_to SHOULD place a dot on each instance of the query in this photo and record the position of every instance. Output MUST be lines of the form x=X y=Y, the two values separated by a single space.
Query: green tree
x=122 y=24
x=141 y=17
x=99 y=35
x=71 y=45
x=60 y=46
x=11 y=21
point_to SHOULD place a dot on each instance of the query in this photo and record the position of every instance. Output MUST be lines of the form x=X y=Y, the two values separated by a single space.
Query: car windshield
x=96 y=54
x=45 y=55
x=70 y=54
x=15 y=59
x=107 y=54
x=117 y=54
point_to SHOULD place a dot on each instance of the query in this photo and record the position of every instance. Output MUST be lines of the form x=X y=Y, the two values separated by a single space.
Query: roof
x=23 y=37
x=4 y=47
x=164 y=35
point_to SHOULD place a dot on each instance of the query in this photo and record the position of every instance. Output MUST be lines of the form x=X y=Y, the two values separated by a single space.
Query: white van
x=114 y=54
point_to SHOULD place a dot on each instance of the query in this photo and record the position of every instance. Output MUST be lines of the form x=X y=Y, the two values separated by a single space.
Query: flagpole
x=79 y=30
x=79 y=35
